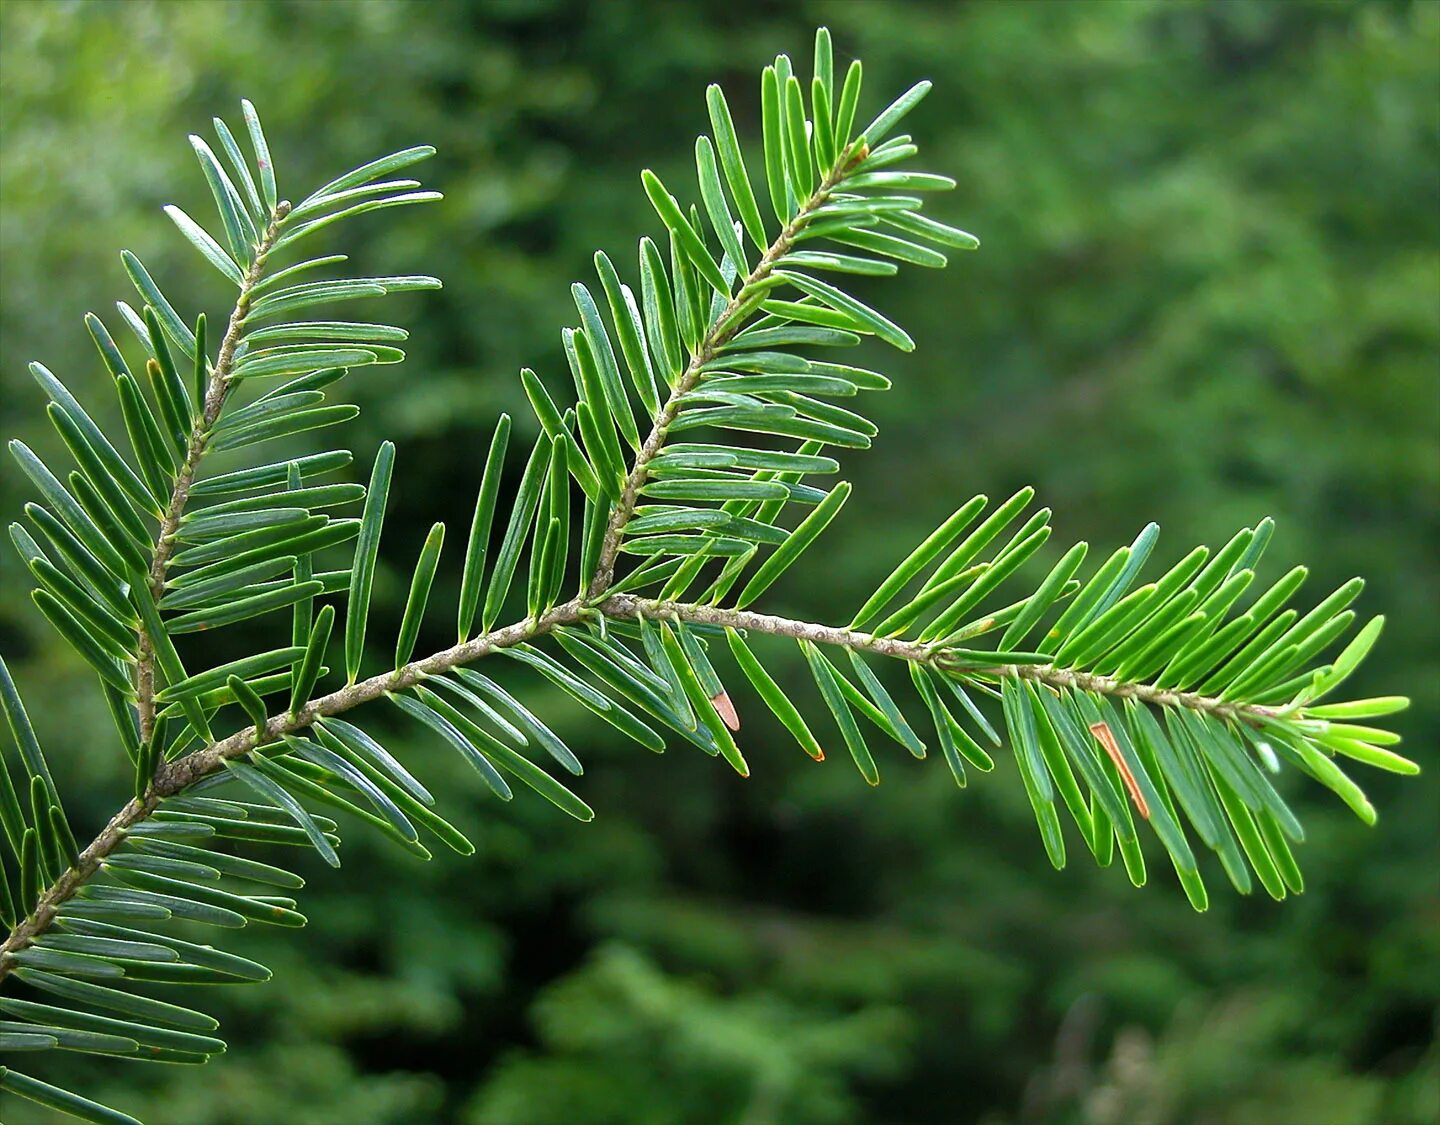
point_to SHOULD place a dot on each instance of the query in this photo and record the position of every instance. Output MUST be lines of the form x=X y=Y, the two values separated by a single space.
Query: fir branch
x=1238 y=684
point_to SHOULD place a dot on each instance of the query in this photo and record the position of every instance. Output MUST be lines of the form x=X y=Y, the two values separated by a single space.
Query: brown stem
x=187 y=770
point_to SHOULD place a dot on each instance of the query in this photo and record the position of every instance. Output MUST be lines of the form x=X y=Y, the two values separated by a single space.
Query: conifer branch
x=1159 y=705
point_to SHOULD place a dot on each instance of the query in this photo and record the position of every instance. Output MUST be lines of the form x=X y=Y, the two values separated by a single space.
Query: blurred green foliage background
x=1209 y=289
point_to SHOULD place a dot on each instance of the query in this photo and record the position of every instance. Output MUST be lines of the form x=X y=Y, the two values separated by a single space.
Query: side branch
x=629 y=607
x=626 y=606
x=215 y=394
x=726 y=325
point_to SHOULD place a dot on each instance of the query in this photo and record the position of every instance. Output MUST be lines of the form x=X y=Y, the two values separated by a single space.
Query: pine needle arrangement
x=686 y=465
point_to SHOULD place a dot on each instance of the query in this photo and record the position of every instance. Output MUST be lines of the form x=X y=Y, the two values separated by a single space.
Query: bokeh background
x=1209 y=290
